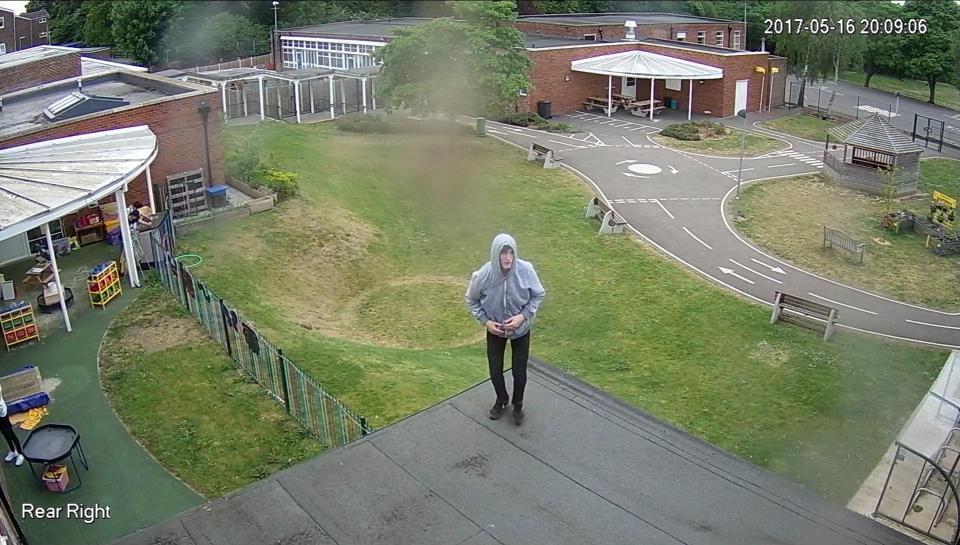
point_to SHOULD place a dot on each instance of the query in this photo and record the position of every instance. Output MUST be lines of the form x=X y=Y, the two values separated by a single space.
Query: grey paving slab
x=359 y=496
x=511 y=494
x=266 y=514
x=583 y=468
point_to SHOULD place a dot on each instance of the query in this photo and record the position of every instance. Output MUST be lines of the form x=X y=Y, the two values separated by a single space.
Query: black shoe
x=497 y=410
x=517 y=415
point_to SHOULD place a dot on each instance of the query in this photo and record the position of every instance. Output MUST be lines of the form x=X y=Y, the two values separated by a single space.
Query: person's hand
x=514 y=322
x=493 y=327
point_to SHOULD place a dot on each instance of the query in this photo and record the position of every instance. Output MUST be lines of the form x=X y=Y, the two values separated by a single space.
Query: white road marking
x=725 y=172
x=672 y=170
x=783 y=165
x=731 y=273
x=663 y=207
x=843 y=304
x=933 y=325
x=627 y=161
x=695 y=237
x=632 y=175
x=568 y=144
x=495 y=131
x=755 y=272
x=628 y=142
x=773 y=269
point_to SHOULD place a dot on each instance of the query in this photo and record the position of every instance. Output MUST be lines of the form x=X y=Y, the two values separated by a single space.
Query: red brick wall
x=32 y=74
x=550 y=67
x=715 y=96
x=617 y=32
x=179 y=130
x=779 y=81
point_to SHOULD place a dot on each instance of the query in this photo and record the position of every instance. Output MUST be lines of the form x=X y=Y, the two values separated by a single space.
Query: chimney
x=631 y=35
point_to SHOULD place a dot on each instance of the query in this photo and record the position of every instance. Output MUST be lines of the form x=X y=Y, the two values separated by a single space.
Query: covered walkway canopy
x=645 y=65
x=45 y=181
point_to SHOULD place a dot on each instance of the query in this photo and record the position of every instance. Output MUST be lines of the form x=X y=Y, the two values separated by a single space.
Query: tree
x=195 y=36
x=295 y=13
x=97 y=25
x=477 y=65
x=66 y=19
x=931 y=55
x=881 y=52
x=139 y=25
x=571 y=6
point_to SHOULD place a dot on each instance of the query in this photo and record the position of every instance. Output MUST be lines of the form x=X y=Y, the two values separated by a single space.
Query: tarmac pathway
x=677 y=201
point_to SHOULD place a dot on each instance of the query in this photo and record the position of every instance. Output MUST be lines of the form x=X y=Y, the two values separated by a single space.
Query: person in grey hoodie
x=6 y=428
x=504 y=295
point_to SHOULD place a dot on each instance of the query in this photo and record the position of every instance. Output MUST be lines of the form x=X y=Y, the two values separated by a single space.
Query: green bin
x=673 y=104
x=481 y=126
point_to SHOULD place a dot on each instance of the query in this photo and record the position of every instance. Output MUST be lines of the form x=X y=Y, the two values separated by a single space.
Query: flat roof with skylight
x=575 y=19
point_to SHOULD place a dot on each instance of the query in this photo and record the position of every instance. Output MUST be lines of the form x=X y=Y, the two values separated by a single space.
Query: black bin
x=543 y=109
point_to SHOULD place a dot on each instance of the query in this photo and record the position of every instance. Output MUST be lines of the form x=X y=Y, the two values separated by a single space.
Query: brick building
x=36 y=66
x=553 y=42
x=183 y=116
x=19 y=32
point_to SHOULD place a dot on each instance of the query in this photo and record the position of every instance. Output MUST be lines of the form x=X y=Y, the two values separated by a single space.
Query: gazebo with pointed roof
x=871 y=145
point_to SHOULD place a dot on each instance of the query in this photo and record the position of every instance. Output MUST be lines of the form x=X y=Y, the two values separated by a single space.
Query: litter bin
x=543 y=109
x=481 y=126
x=673 y=104
x=217 y=195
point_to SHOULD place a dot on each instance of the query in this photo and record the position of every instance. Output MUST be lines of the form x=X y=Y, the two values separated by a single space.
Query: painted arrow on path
x=725 y=270
x=627 y=161
x=774 y=269
x=672 y=170
x=632 y=175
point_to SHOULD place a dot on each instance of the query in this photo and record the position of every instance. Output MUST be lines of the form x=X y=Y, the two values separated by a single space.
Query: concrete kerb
x=780 y=135
x=745 y=158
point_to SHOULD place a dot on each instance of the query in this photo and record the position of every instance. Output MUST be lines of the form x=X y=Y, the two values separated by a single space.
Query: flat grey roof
x=618 y=18
x=384 y=28
x=23 y=111
x=696 y=47
x=584 y=468
x=33 y=54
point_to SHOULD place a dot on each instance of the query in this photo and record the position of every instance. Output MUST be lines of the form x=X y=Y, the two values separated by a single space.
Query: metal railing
x=311 y=405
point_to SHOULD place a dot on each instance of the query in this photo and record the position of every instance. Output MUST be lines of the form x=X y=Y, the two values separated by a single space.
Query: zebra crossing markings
x=643 y=201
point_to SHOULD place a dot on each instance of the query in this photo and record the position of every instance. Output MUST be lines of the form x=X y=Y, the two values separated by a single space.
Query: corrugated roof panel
x=642 y=64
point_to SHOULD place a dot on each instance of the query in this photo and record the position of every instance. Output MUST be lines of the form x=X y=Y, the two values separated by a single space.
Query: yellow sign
x=950 y=201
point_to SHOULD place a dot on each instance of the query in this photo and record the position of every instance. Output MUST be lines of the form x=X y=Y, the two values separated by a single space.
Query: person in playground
x=504 y=295
x=16 y=451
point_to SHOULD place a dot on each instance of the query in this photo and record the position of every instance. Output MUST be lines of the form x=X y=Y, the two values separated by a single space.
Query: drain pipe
x=204 y=110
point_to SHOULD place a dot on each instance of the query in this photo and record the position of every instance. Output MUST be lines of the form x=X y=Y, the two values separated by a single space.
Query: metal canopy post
x=310 y=92
x=127 y=238
x=363 y=81
x=651 y=98
x=609 y=95
x=690 y=100
x=296 y=98
x=153 y=204
x=260 y=89
x=56 y=277
x=373 y=92
x=332 y=98
x=223 y=94
x=243 y=96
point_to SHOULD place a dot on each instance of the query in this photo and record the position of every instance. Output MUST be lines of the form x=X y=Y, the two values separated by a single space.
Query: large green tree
x=66 y=19
x=97 y=24
x=931 y=55
x=882 y=52
x=473 y=65
x=139 y=25
x=198 y=35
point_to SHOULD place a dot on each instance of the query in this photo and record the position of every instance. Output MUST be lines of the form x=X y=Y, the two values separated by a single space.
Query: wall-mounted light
x=566 y=77
x=700 y=82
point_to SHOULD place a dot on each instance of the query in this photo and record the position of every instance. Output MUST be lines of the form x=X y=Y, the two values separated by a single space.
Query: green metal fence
x=318 y=411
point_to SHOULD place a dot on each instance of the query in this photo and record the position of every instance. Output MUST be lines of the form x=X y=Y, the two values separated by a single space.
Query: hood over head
x=500 y=242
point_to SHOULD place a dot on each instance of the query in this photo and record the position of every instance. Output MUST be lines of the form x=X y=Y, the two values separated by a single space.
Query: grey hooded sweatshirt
x=495 y=295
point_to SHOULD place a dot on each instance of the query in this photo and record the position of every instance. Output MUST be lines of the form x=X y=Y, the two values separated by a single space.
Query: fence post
x=283 y=380
x=858 y=106
x=363 y=425
x=914 y=138
x=226 y=332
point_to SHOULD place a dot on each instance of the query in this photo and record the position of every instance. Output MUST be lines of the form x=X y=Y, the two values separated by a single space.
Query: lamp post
x=743 y=137
x=276 y=6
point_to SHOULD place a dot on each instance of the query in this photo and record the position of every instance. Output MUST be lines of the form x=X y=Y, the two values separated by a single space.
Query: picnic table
x=642 y=107
x=600 y=102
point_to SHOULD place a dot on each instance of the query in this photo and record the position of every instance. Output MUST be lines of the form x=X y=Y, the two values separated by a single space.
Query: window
x=736 y=39
x=681 y=36
x=1 y=22
x=3 y=48
x=43 y=34
x=523 y=92
x=41 y=21
x=590 y=37
x=701 y=37
x=719 y=38
x=672 y=84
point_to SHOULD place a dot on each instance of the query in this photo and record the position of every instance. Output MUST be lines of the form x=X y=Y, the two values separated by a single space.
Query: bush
x=363 y=124
x=550 y=126
x=522 y=119
x=283 y=182
x=695 y=130
x=244 y=163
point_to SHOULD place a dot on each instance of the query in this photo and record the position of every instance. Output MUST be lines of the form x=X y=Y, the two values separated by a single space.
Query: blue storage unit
x=217 y=196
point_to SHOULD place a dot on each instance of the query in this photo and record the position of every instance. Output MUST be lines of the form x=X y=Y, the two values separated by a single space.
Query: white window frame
x=41 y=21
x=719 y=38
x=3 y=48
x=736 y=39
x=701 y=36
x=681 y=37
x=43 y=34
x=1 y=22
x=590 y=37
x=670 y=83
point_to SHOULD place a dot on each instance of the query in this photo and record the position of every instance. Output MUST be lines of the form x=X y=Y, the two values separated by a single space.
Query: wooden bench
x=610 y=221
x=549 y=156
x=600 y=103
x=843 y=241
x=804 y=313
x=644 y=111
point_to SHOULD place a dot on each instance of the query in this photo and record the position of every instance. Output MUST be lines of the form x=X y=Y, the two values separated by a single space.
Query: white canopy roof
x=641 y=64
x=44 y=181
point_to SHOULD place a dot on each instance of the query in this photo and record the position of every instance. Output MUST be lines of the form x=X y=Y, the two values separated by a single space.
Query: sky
x=16 y=5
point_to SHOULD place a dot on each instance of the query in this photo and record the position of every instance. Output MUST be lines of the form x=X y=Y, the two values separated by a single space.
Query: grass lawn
x=787 y=218
x=361 y=279
x=806 y=126
x=725 y=146
x=947 y=95
x=185 y=401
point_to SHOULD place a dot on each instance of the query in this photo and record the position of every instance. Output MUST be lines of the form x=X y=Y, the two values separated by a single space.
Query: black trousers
x=519 y=351
x=11 y=436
